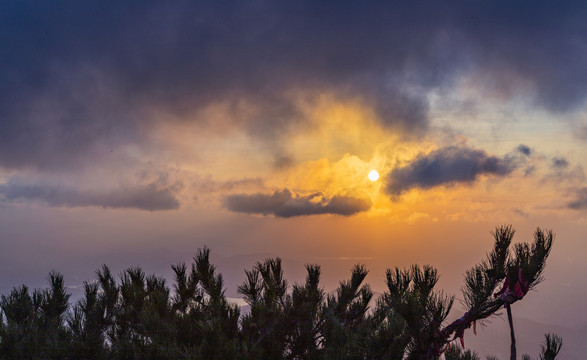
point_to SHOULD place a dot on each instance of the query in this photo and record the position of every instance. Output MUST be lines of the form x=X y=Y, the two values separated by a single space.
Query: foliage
x=520 y=270
x=139 y=316
x=549 y=349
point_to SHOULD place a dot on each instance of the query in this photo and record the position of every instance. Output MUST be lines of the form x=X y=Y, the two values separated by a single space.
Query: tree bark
x=513 y=347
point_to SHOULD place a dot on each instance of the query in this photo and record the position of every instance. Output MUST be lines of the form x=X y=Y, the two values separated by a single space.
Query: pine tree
x=87 y=326
x=344 y=317
x=34 y=326
x=303 y=312
x=549 y=349
x=265 y=328
x=521 y=270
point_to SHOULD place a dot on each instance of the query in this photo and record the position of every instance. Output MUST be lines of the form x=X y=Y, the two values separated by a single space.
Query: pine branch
x=522 y=270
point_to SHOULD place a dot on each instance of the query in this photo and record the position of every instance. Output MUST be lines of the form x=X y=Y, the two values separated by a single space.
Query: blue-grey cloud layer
x=286 y=204
x=150 y=198
x=448 y=166
x=75 y=74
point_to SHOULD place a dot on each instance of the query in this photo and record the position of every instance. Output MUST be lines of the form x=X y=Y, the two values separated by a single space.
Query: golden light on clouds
x=343 y=149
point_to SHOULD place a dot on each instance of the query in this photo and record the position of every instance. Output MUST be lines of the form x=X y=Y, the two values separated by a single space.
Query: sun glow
x=373 y=175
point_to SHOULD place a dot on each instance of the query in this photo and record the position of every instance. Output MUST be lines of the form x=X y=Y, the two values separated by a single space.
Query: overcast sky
x=133 y=133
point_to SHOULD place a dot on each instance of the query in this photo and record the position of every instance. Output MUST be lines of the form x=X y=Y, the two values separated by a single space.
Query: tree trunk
x=513 y=347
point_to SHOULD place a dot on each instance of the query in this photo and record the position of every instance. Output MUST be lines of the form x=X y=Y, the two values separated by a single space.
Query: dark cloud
x=559 y=163
x=76 y=74
x=532 y=42
x=524 y=149
x=447 y=166
x=580 y=199
x=150 y=198
x=287 y=204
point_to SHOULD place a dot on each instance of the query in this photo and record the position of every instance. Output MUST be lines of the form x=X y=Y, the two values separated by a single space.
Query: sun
x=373 y=175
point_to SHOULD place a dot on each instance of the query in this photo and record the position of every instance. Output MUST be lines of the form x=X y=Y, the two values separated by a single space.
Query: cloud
x=559 y=163
x=287 y=204
x=580 y=199
x=73 y=86
x=75 y=116
x=505 y=49
x=447 y=166
x=150 y=198
x=208 y=184
x=524 y=149
x=561 y=171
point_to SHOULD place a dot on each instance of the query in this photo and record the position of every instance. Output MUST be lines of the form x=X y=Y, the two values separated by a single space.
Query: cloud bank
x=287 y=204
x=77 y=83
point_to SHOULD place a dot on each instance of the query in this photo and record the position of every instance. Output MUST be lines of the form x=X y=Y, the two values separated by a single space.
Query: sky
x=135 y=133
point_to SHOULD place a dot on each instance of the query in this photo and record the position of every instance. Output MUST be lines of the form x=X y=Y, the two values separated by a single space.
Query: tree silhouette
x=34 y=323
x=412 y=297
x=265 y=328
x=549 y=349
x=138 y=316
x=521 y=270
x=345 y=317
x=304 y=313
